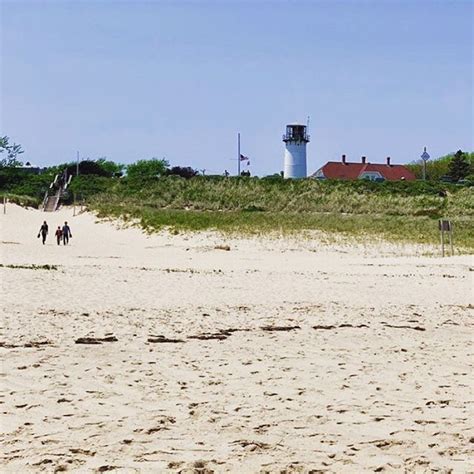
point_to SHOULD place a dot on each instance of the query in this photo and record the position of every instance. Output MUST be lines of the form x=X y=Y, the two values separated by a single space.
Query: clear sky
x=176 y=79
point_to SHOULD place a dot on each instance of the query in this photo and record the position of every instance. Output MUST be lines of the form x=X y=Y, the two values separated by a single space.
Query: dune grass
x=21 y=200
x=397 y=211
x=416 y=229
x=309 y=195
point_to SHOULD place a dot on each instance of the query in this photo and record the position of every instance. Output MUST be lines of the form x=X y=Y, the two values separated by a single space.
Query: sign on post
x=425 y=157
x=445 y=225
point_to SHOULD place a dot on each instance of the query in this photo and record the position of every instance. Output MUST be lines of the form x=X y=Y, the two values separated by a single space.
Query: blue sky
x=132 y=80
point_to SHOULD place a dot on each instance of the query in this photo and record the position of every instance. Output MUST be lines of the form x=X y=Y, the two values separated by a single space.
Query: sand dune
x=136 y=353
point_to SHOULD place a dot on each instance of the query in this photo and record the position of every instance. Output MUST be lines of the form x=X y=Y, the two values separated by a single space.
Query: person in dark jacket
x=66 y=233
x=43 y=232
x=59 y=235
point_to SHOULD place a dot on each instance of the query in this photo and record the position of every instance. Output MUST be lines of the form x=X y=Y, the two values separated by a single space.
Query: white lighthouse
x=295 y=140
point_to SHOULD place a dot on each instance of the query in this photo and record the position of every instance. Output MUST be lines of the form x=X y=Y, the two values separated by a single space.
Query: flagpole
x=238 y=154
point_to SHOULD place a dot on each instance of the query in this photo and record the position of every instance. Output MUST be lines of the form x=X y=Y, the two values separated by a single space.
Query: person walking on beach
x=59 y=234
x=43 y=232
x=66 y=230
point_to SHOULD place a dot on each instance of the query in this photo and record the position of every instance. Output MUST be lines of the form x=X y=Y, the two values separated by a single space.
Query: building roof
x=29 y=165
x=339 y=170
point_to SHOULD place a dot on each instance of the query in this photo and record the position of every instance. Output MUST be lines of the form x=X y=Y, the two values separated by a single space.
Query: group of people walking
x=62 y=234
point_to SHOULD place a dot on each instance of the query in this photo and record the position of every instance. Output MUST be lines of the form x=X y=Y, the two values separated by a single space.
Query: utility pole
x=238 y=154
x=77 y=163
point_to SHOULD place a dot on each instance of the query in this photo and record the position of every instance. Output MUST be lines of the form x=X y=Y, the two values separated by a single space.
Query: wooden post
x=4 y=204
x=445 y=225
x=451 y=239
x=74 y=204
x=442 y=241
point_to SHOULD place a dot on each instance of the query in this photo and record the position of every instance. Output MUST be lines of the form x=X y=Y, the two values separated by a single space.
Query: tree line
x=451 y=168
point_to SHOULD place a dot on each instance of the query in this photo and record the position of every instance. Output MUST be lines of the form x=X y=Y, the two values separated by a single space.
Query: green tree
x=459 y=167
x=10 y=159
x=147 y=168
x=98 y=167
x=114 y=169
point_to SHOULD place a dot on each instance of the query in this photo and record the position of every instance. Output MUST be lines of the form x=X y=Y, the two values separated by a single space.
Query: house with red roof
x=364 y=170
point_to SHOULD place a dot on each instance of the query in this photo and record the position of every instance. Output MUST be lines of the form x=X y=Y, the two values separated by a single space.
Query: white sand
x=340 y=399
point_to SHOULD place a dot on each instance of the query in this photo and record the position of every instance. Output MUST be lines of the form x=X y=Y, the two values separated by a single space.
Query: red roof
x=339 y=170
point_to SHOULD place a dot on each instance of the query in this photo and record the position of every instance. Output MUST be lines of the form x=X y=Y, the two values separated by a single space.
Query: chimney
x=344 y=159
x=364 y=159
x=388 y=161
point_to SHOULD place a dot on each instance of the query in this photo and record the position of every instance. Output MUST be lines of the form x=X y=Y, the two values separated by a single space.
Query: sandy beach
x=279 y=355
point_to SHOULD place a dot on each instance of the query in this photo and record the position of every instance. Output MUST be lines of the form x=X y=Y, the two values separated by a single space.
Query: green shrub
x=17 y=181
x=147 y=168
x=24 y=201
x=85 y=187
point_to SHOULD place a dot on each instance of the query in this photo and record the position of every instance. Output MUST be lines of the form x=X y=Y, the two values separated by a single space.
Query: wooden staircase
x=51 y=203
x=58 y=186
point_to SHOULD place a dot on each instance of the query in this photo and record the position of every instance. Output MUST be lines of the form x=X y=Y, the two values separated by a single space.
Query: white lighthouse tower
x=295 y=140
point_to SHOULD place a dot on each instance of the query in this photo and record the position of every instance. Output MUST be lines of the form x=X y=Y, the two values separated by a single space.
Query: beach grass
x=414 y=229
x=294 y=196
x=21 y=200
x=394 y=211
